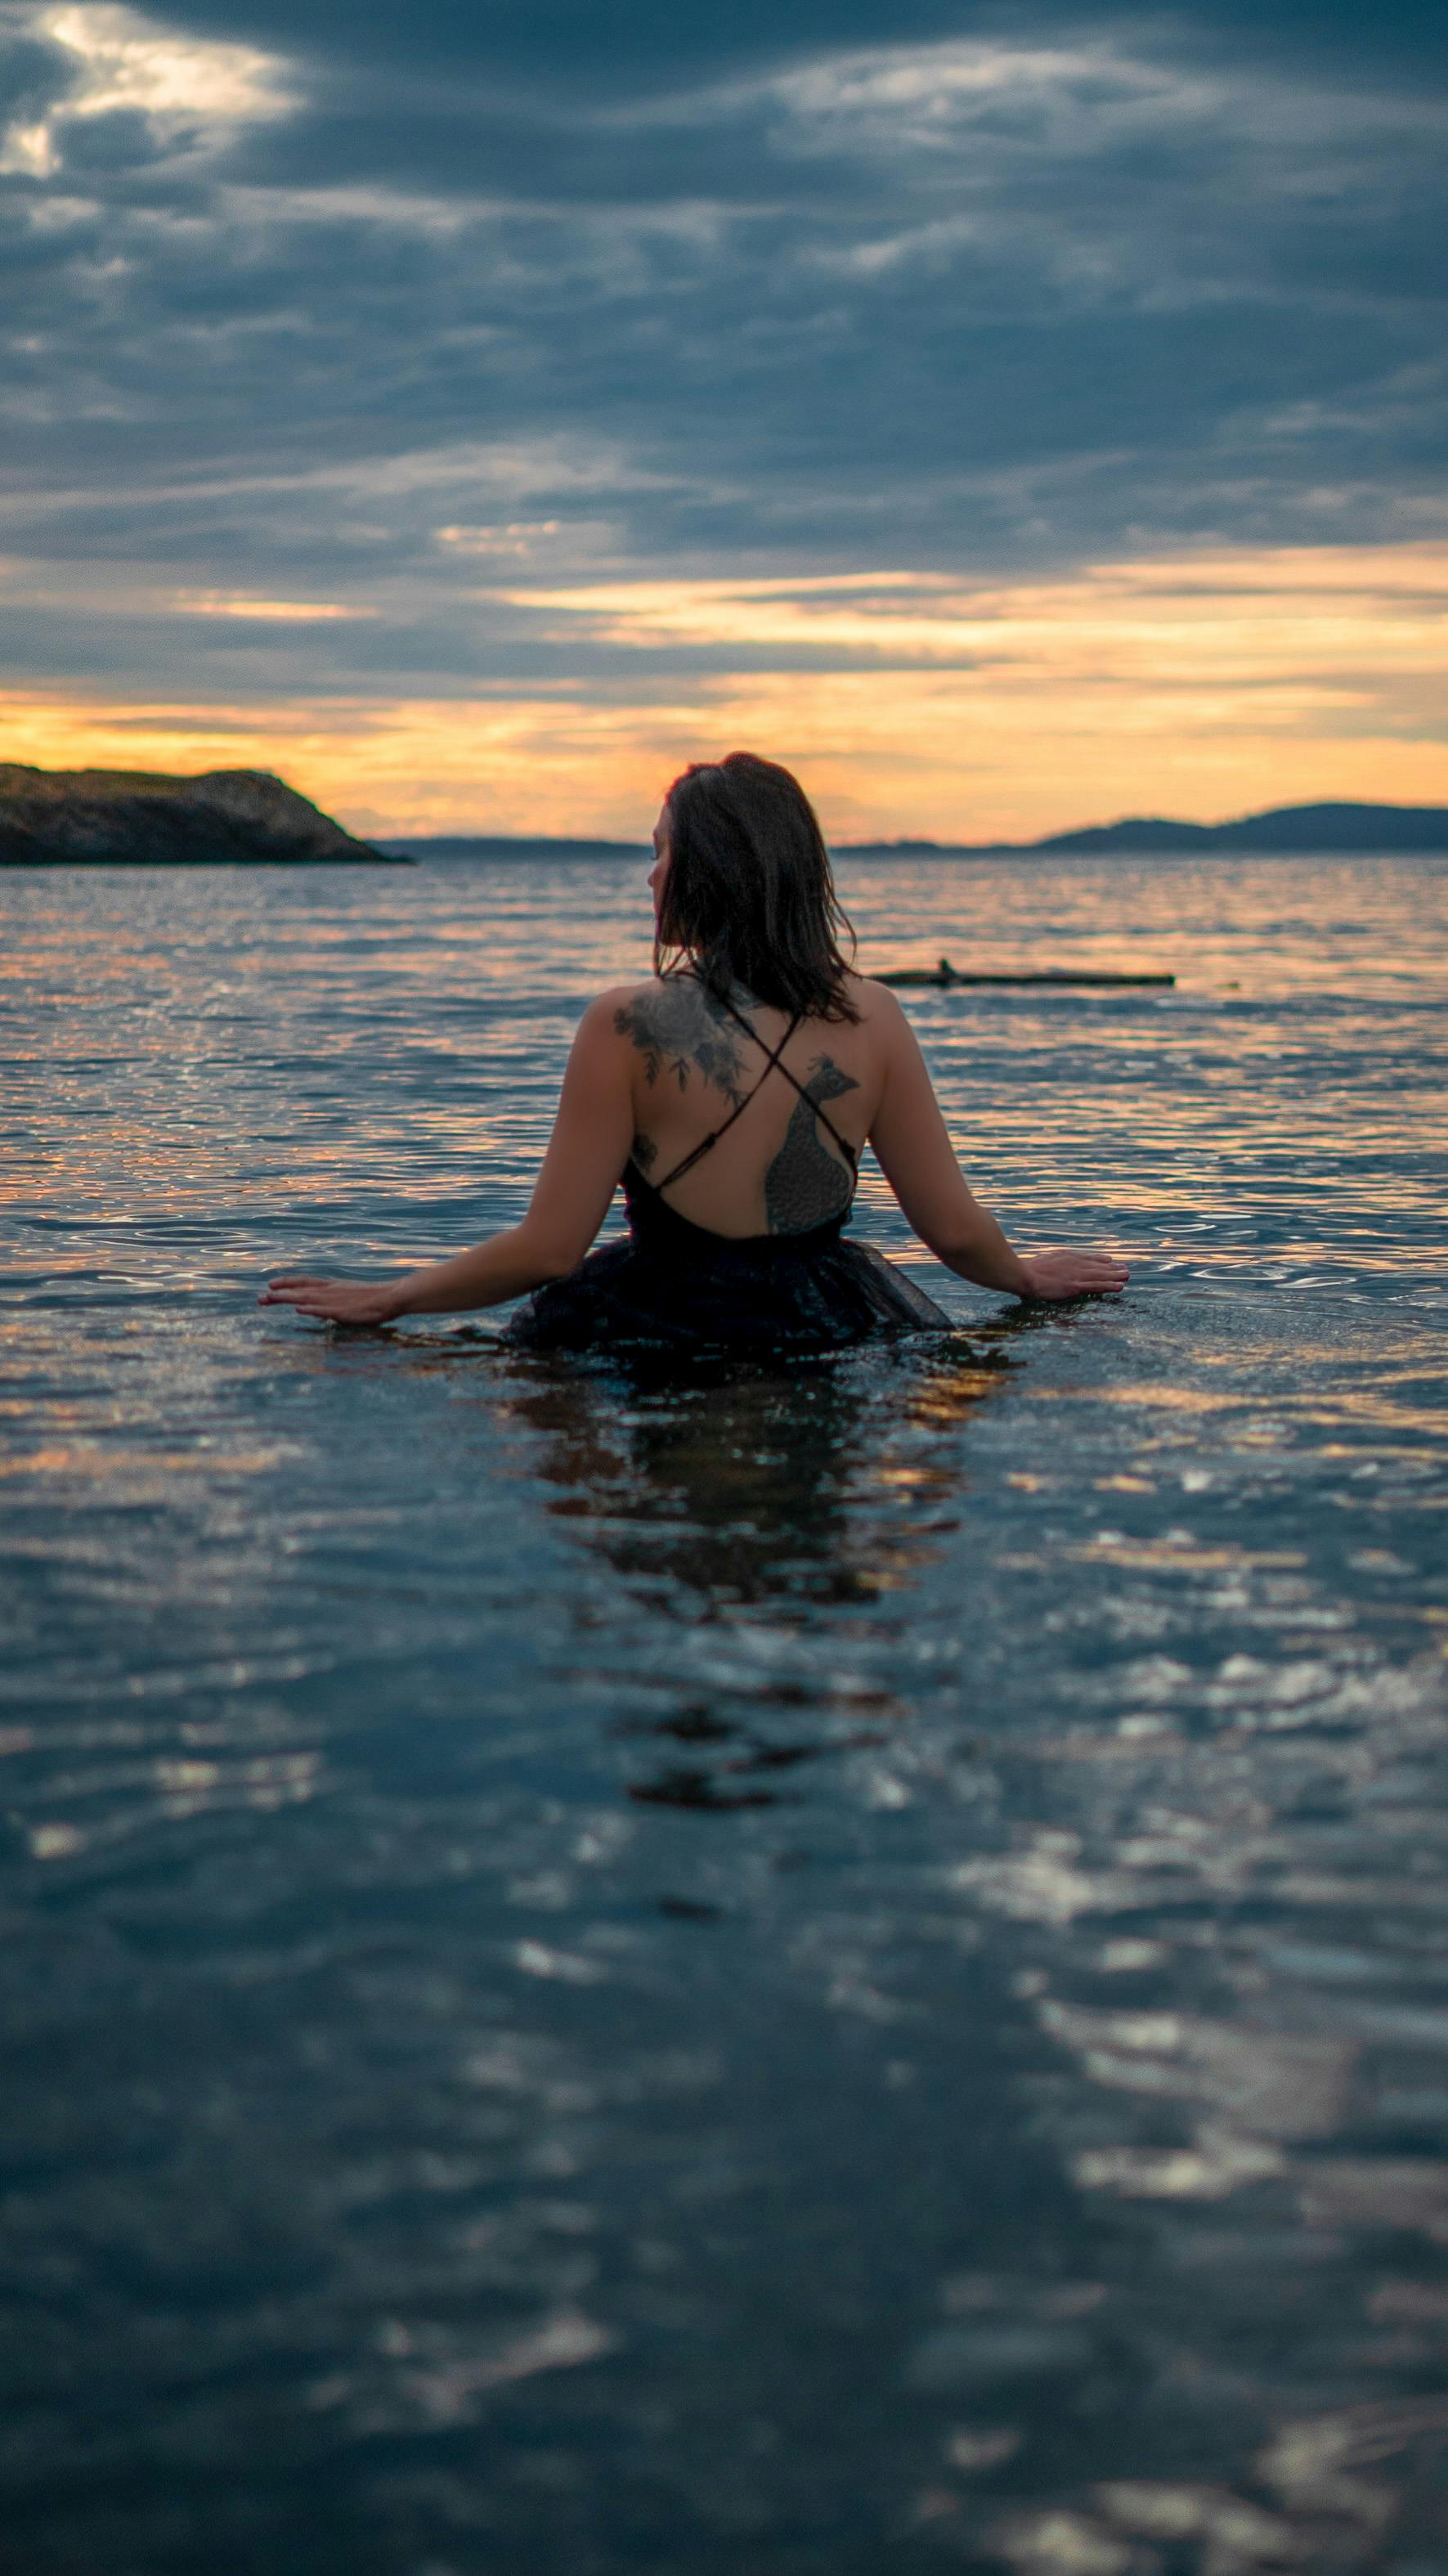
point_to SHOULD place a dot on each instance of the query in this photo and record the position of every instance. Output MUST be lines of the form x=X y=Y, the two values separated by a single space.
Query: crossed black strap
x=773 y=1059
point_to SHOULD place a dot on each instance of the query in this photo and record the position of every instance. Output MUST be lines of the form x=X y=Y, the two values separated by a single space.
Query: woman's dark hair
x=749 y=898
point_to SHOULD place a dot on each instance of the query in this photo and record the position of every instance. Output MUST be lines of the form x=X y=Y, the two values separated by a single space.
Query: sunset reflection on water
x=796 y=1971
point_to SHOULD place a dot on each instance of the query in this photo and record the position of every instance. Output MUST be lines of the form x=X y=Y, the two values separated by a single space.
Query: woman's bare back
x=777 y=1167
x=655 y=1069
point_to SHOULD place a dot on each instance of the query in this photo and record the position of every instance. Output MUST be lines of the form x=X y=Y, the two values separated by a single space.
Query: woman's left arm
x=587 y=1151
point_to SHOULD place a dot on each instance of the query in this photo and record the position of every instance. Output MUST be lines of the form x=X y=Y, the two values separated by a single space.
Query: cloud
x=114 y=63
x=1206 y=684
x=432 y=354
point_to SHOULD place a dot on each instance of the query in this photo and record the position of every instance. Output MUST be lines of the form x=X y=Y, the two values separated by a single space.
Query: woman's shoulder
x=671 y=1015
x=612 y=1007
x=664 y=1001
x=874 y=1004
x=664 y=1021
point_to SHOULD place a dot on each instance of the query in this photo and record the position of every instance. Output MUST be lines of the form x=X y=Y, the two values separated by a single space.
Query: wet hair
x=749 y=898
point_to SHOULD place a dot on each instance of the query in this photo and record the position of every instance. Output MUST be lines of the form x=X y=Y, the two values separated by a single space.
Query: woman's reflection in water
x=755 y=1504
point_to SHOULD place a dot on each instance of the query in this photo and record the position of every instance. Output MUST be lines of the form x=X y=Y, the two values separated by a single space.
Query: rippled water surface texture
x=802 y=1976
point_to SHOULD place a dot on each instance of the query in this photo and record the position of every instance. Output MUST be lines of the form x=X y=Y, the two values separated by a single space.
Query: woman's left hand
x=335 y=1301
x=1054 y=1275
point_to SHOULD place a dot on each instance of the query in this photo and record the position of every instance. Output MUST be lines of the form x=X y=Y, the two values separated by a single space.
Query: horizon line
x=908 y=844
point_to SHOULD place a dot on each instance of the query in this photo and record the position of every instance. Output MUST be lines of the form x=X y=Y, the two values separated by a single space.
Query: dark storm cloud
x=653 y=45
x=396 y=313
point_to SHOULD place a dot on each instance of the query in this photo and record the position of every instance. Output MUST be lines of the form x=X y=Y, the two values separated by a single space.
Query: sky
x=1008 y=416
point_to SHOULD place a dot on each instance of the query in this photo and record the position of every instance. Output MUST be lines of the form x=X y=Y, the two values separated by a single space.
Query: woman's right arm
x=914 y=1151
x=586 y=1153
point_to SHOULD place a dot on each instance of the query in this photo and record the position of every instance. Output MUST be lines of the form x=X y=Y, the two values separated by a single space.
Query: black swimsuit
x=671 y=1285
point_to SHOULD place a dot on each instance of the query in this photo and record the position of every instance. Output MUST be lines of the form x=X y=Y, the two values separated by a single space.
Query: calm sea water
x=801 y=1977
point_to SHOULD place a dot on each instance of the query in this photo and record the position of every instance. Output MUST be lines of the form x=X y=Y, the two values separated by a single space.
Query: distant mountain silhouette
x=509 y=845
x=1327 y=831
x=149 y=818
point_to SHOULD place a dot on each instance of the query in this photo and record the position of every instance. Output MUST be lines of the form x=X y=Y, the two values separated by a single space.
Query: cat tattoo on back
x=807 y=1184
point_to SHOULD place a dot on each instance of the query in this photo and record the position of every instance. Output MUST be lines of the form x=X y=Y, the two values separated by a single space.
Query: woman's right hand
x=1053 y=1275
x=336 y=1301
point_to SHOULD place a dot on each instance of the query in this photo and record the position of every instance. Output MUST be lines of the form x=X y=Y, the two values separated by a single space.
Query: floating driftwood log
x=943 y=973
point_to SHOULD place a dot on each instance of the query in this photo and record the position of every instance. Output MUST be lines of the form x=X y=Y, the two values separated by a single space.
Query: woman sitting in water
x=732 y=1094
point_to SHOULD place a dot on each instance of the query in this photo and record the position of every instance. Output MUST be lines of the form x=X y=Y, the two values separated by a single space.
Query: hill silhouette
x=1327 y=831
x=149 y=818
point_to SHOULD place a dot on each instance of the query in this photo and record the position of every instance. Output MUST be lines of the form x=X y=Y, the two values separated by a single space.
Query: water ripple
x=788 y=1974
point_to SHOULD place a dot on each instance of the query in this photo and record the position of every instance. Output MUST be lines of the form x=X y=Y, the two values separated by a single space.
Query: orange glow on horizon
x=1203 y=686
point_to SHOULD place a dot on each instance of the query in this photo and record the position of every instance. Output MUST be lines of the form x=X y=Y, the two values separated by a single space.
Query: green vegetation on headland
x=1318 y=831
x=145 y=818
